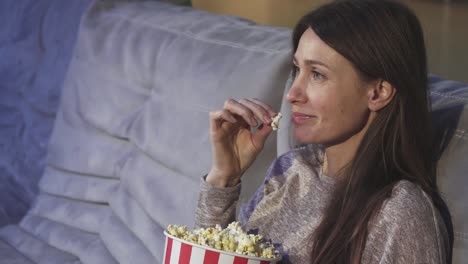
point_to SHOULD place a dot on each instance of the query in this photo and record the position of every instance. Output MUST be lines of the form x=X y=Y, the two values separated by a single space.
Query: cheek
x=318 y=128
x=337 y=119
x=345 y=120
x=333 y=117
x=321 y=103
x=328 y=108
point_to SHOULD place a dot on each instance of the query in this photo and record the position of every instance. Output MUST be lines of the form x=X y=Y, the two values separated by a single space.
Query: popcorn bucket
x=179 y=251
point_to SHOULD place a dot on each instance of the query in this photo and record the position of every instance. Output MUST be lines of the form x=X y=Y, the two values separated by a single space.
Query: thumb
x=261 y=135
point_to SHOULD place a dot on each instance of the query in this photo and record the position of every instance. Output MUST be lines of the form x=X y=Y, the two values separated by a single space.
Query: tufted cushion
x=131 y=139
x=450 y=118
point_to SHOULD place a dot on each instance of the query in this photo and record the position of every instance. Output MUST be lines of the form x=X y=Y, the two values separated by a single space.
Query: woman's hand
x=233 y=144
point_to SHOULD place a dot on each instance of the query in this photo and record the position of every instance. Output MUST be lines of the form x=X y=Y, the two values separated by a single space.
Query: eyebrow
x=310 y=62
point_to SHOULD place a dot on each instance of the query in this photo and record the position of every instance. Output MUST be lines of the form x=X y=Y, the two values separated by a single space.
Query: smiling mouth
x=300 y=118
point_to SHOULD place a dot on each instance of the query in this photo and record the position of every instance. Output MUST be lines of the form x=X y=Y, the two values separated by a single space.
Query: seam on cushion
x=63 y=224
x=49 y=245
x=73 y=199
x=63 y=196
x=197 y=37
x=130 y=230
x=129 y=227
x=446 y=95
x=109 y=73
x=32 y=212
x=461 y=236
x=160 y=163
x=90 y=124
x=70 y=227
x=233 y=19
x=17 y=251
x=84 y=174
x=79 y=175
x=128 y=193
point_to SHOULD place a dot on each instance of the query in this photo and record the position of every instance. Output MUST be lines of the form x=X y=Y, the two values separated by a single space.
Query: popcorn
x=177 y=231
x=231 y=239
x=275 y=122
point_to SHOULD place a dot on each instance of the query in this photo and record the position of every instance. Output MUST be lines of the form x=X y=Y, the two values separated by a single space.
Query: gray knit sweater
x=289 y=204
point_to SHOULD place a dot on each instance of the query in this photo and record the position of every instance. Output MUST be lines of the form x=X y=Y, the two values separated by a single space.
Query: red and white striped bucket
x=179 y=251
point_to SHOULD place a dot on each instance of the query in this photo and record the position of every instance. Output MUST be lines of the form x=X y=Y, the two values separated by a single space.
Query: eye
x=295 y=71
x=317 y=76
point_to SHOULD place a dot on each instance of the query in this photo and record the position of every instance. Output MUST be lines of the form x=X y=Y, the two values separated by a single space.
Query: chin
x=306 y=137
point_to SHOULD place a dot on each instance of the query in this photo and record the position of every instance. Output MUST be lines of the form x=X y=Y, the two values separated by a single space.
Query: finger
x=239 y=109
x=257 y=109
x=260 y=136
x=218 y=117
x=270 y=109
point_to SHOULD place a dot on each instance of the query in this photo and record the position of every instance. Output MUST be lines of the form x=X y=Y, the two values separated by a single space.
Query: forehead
x=311 y=47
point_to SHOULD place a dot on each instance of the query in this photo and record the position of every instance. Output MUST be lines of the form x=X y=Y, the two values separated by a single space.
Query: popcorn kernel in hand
x=275 y=122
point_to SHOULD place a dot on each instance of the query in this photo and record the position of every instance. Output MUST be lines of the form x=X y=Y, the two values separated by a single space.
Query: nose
x=296 y=93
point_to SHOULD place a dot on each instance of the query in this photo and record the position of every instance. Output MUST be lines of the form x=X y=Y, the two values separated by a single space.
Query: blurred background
x=445 y=24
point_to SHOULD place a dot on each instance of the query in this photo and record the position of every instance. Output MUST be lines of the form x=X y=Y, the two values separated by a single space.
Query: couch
x=109 y=102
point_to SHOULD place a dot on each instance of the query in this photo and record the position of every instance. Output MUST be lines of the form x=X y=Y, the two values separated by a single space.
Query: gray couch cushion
x=11 y=256
x=24 y=245
x=131 y=138
x=450 y=118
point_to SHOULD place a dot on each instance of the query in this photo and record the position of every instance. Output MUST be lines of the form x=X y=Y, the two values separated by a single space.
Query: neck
x=339 y=155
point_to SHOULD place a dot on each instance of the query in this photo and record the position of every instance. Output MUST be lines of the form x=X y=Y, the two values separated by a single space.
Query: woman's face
x=329 y=99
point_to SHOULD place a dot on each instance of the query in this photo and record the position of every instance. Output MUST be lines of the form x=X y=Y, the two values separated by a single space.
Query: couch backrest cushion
x=131 y=139
x=450 y=118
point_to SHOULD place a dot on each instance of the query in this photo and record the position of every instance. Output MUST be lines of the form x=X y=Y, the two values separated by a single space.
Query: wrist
x=219 y=180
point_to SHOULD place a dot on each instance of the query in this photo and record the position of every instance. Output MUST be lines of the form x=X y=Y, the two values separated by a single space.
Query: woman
x=363 y=188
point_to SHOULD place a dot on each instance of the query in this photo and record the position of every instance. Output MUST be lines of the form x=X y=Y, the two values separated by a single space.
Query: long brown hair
x=383 y=40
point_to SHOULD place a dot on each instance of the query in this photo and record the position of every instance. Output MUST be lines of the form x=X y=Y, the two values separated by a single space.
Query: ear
x=380 y=94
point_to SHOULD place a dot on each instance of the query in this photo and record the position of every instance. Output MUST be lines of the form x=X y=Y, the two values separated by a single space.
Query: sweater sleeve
x=216 y=205
x=408 y=229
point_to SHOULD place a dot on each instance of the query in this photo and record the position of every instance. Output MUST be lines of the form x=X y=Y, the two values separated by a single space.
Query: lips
x=300 y=118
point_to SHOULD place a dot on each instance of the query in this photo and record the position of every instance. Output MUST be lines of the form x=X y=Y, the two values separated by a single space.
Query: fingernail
x=267 y=119
x=253 y=122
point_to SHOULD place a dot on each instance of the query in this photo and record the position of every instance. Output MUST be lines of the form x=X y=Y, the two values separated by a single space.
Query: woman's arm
x=235 y=147
x=216 y=205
